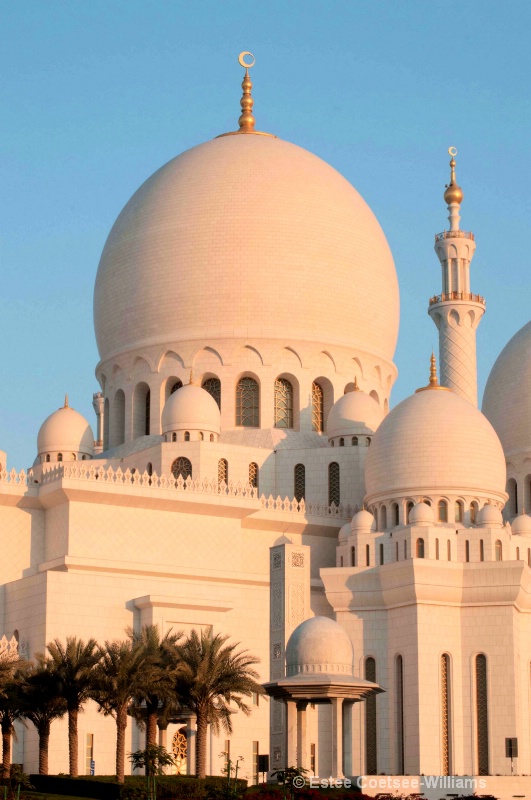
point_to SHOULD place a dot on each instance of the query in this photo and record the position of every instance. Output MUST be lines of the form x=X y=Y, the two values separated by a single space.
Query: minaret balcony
x=454 y=235
x=464 y=296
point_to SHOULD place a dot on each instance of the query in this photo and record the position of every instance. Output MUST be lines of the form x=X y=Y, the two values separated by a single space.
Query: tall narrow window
x=481 y=550
x=383 y=517
x=341 y=442
x=106 y=423
x=317 y=407
x=354 y=441
x=256 y=776
x=223 y=471
x=367 y=555
x=437 y=549
x=381 y=554
x=467 y=550
x=352 y=556
x=299 y=477
x=400 y=715
x=147 y=416
x=473 y=513
x=253 y=475
x=449 y=550
x=395 y=514
x=213 y=387
x=117 y=423
x=498 y=550
x=512 y=503
x=518 y=554
x=283 y=403
x=482 y=715
x=59 y=456
x=458 y=511
x=409 y=508
x=334 y=494
x=443 y=511
x=370 y=721
x=247 y=403
x=420 y=548
x=141 y=410
x=405 y=549
x=445 y=714
x=187 y=436
x=396 y=548
x=182 y=468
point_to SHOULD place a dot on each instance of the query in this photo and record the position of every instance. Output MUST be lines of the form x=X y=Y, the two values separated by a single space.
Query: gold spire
x=66 y=402
x=246 y=120
x=434 y=383
x=453 y=193
x=356 y=387
x=191 y=380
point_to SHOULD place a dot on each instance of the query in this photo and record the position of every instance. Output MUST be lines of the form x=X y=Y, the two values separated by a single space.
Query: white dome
x=344 y=532
x=363 y=522
x=434 y=442
x=203 y=246
x=421 y=514
x=506 y=402
x=191 y=408
x=65 y=431
x=354 y=412
x=521 y=525
x=320 y=645
x=490 y=516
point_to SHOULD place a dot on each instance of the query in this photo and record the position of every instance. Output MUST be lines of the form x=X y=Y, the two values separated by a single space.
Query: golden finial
x=434 y=383
x=66 y=402
x=246 y=120
x=453 y=193
x=356 y=387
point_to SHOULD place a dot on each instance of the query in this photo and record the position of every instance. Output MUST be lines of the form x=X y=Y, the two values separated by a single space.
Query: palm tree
x=211 y=675
x=116 y=681
x=11 y=709
x=74 y=664
x=42 y=703
x=155 y=690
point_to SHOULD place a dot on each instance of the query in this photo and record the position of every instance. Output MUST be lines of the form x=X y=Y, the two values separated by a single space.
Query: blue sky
x=97 y=95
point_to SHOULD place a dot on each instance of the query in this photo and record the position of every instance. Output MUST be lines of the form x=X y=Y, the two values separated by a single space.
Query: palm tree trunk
x=73 y=742
x=44 y=741
x=201 y=743
x=121 y=727
x=151 y=726
x=6 y=750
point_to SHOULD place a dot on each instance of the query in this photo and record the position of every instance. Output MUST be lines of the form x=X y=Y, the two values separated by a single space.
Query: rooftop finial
x=356 y=387
x=66 y=402
x=453 y=193
x=246 y=120
x=433 y=370
x=191 y=376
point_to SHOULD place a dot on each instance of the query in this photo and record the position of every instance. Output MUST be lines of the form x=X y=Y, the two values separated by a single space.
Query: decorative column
x=337 y=737
x=191 y=734
x=291 y=732
x=98 y=404
x=289 y=606
x=303 y=761
x=347 y=737
x=456 y=311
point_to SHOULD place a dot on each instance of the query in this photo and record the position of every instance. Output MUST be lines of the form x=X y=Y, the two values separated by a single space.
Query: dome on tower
x=363 y=522
x=489 y=516
x=354 y=413
x=506 y=400
x=434 y=443
x=319 y=645
x=236 y=238
x=65 y=432
x=191 y=408
x=421 y=514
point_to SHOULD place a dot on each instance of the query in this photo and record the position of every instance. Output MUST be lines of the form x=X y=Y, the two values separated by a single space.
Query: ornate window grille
x=147 y=417
x=223 y=471
x=334 y=493
x=317 y=407
x=299 y=475
x=283 y=403
x=213 y=387
x=182 y=468
x=247 y=403
x=177 y=385
x=253 y=475
x=370 y=721
x=400 y=715
x=445 y=713
x=482 y=716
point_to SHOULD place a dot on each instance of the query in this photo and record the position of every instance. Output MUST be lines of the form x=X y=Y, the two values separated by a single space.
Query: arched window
x=299 y=482
x=467 y=550
x=381 y=554
x=341 y=442
x=371 y=766
x=147 y=416
x=445 y=714
x=396 y=548
x=449 y=550
x=473 y=513
x=331 y=442
x=213 y=387
x=182 y=468
x=283 y=403
x=518 y=554
x=367 y=555
x=141 y=410
x=117 y=424
x=223 y=471
x=211 y=437
x=443 y=511
x=368 y=441
x=420 y=548
x=354 y=441
x=399 y=692
x=47 y=458
x=352 y=556
x=201 y=436
x=383 y=517
x=395 y=514
x=253 y=475
x=74 y=457
x=481 y=550
x=512 y=502
x=334 y=493
x=374 y=512
x=186 y=436
x=149 y=469
x=409 y=507
x=498 y=551
x=174 y=437
x=458 y=511
x=317 y=407
x=247 y=403
x=482 y=715
x=106 y=422
x=437 y=549
x=59 y=456
x=176 y=385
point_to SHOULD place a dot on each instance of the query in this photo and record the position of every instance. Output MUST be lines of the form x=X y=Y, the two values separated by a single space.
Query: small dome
x=421 y=514
x=354 y=412
x=344 y=532
x=67 y=432
x=505 y=402
x=320 y=645
x=434 y=443
x=490 y=517
x=521 y=525
x=191 y=408
x=363 y=522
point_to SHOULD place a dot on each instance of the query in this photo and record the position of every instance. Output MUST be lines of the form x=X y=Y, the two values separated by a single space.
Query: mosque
x=247 y=473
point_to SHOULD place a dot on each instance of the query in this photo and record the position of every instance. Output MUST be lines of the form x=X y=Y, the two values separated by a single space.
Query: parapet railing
x=454 y=235
x=441 y=298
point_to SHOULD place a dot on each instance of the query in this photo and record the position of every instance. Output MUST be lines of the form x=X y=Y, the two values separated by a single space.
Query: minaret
x=456 y=312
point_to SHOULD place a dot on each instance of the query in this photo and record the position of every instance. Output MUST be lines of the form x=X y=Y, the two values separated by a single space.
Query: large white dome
x=246 y=236
x=319 y=644
x=507 y=398
x=435 y=442
x=65 y=431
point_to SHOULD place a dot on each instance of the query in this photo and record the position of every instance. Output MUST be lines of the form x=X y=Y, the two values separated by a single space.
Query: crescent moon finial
x=452 y=151
x=243 y=63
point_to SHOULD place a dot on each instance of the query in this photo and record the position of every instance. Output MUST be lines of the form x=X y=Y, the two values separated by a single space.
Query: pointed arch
x=169 y=361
